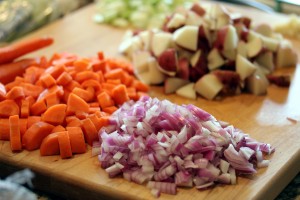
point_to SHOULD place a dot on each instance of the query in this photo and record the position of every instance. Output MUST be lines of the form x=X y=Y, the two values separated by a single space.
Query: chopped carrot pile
x=59 y=105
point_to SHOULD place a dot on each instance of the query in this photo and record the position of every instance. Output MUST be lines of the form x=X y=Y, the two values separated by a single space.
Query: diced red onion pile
x=167 y=145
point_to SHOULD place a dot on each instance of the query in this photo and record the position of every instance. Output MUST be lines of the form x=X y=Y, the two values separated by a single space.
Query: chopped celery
x=142 y=14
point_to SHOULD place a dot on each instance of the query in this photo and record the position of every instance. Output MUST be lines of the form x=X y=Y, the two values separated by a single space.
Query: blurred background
x=19 y=17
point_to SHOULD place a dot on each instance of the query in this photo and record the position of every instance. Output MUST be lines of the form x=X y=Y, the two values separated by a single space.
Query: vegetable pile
x=209 y=51
x=167 y=145
x=59 y=105
x=142 y=14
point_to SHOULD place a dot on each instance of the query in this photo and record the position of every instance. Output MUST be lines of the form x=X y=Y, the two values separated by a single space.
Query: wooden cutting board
x=263 y=117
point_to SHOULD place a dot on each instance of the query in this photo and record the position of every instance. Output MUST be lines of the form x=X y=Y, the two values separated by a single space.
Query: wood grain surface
x=263 y=117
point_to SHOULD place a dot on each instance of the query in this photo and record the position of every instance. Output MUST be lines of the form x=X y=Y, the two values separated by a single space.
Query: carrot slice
x=64 y=79
x=108 y=87
x=110 y=109
x=117 y=73
x=73 y=84
x=91 y=83
x=81 y=65
x=32 y=120
x=52 y=99
x=50 y=146
x=76 y=104
x=25 y=111
x=86 y=75
x=90 y=131
x=35 y=134
x=93 y=110
x=94 y=105
x=55 y=114
x=32 y=74
x=132 y=93
x=100 y=55
x=15 y=93
x=48 y=80
x=58 y=128
x=101 y=76
x=66 y=59
x=99 y=66
x=31 y=90
x=38 y=107
x=64 y=144
x=23 y=126
x=114 y=63
x=104 y=121
x=9 y=107
x=14 y=133
x=105 y=100
x=86 y=95
x=140 y=86
x=76 y=139
x=96 y=121
x=4 y=129
x=120 y=95
x=43 y=62
x=56 y=70
x=73 y=121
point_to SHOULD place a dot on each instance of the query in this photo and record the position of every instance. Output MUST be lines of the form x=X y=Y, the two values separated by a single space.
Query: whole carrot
x=13 y=51
x=9 y=71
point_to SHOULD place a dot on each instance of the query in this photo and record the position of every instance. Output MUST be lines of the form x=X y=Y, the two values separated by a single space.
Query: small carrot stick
x=14 y=134
x=64 y=144
x=13 y=51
